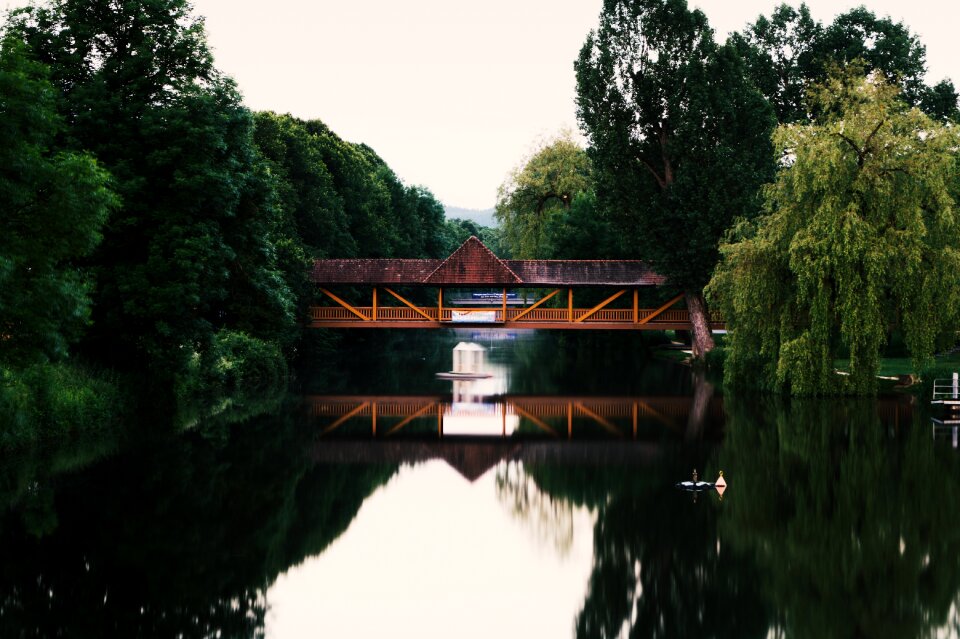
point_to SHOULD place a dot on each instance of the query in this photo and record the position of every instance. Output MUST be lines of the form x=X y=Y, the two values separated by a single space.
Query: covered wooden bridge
x=473 y=265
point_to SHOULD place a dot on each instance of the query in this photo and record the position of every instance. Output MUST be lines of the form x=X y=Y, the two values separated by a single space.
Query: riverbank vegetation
x=685 y=164
x=859 y=235
x=153 y=226
x=155 y=229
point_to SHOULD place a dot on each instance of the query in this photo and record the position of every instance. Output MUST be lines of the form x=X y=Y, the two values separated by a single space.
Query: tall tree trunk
x=700 y=324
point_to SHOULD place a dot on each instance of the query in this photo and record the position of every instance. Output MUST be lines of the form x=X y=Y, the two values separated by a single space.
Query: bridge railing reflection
x=508 y=416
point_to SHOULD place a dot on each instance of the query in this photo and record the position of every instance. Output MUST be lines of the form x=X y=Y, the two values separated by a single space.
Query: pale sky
x=454 y=94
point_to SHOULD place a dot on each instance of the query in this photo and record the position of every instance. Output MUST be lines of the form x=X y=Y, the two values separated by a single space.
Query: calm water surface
x=536 y=501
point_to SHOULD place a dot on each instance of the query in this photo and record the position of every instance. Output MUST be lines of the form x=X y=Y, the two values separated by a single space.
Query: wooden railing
x=386 y=314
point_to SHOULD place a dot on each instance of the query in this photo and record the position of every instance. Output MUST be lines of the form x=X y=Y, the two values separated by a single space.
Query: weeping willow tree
x=859 y=235
x=546 y=185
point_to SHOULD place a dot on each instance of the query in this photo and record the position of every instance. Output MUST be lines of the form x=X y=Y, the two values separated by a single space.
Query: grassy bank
x=57 y=401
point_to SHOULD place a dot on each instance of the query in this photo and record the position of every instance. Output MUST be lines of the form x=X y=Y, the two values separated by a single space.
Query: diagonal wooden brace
x=416 y=308
x=530 y=308
x=344 y=304
x=335 y=425
x=600 y=305
x=409 y=418
x=539 y=423
x=660 y=310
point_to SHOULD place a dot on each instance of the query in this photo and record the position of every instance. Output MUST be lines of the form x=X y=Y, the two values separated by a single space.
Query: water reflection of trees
x=659 y=569
x=550 y=520
x=179 y=538
x=853 y=526
x=835 y=525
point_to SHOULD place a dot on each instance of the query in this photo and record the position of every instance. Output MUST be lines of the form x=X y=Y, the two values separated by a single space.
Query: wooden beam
x=440 y=305
x=504 y=305
x=416 y=308
x=569 y=304
x=636 y=306
x=661 y=309
x=536 y=420
x=344 y=304
x=600 y=420
x=601 y=305
x=657 y=415
x=340 y=421
x=410 y=418
x=530 y=308
x=374 y=303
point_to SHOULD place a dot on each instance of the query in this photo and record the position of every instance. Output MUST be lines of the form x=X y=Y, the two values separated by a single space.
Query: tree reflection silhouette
x=835 y=525
x=176 y=539
x=660 y=569
x=856 y=533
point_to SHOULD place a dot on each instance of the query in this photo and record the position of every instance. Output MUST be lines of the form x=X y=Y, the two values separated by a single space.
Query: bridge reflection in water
x=475 y=436
x=508 y=415
x=480 y=423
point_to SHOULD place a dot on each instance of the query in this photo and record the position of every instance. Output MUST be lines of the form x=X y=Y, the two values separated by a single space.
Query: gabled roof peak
x=472 y=263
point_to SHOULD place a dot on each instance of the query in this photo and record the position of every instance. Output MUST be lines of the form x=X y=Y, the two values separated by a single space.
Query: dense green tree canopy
x=781 y=55
x=191 y=248
x=860 y=234
x=52 y=207
x=341 y=199
x=790 y=51
x=544 y=186
x=679 y=138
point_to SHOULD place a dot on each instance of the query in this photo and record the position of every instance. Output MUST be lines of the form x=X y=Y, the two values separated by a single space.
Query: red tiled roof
x=473 y=264
x=586 y=272
x=372 y=271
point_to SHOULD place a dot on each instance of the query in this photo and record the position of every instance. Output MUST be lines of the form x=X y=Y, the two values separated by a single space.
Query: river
x=534 y=496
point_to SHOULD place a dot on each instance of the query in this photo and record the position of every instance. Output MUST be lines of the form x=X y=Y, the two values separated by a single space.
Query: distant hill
x=482 y=217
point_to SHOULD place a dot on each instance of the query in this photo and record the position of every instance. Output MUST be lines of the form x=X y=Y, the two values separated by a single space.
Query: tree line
x=697 y=150
x=154 y=226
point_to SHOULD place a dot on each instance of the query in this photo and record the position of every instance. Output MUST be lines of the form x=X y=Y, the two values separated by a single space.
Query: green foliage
x=47 y=402
x=53 y=206
x=940 y=102
x=679 y=138
x=341 y=199
x=545 y=186
x=192 y=248
x=860 y=234
x=457 y=231
x=583 y=231
x=781 y=54
x=789 y=52
x=238 y=375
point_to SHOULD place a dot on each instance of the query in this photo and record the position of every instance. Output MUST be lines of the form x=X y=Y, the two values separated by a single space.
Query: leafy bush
x=47 y=401
x=234 y=375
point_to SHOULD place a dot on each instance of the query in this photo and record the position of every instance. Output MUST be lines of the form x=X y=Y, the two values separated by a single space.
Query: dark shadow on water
x=179 y=539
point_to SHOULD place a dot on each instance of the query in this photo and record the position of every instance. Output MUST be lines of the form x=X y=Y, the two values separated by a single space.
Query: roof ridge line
x=486 y=248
